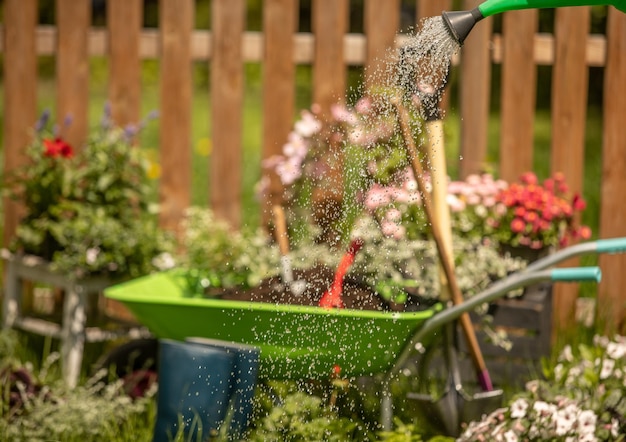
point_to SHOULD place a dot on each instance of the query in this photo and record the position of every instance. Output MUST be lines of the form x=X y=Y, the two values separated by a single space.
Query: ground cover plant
x=36 y=406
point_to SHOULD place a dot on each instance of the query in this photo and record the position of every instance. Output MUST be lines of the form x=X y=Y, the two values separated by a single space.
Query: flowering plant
x=87 y=210
x=538 y=215
x=328 y=160
x=582 y=399
x=481 y=207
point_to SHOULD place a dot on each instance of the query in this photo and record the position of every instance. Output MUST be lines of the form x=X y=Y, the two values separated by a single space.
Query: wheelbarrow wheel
x=135 y=362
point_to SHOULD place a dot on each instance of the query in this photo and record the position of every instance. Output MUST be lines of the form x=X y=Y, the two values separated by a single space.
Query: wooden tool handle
x=445 y=260
x=280 y=225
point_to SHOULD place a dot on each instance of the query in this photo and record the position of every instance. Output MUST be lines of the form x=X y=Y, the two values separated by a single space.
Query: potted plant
x=87 y=209
x=87 y=222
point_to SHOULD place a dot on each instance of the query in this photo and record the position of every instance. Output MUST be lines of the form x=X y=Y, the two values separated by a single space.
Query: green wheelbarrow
x=305 y=342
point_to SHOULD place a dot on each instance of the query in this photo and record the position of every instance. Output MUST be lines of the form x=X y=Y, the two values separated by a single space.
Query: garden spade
x=444 y=258
x=455 y=405
x=280 y=224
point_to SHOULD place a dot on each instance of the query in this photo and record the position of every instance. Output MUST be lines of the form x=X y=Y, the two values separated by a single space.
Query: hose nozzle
x=460 y=23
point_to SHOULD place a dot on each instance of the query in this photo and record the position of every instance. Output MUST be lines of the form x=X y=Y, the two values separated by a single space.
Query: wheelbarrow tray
x=296 y=342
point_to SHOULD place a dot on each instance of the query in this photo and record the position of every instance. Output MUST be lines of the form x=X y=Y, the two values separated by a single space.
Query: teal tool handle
x=614 y=245
x=491 y=7
x=573 y=274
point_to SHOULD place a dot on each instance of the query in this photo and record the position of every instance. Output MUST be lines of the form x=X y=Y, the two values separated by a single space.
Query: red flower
x=57 y=147
x=517 y=225
x=578 y=203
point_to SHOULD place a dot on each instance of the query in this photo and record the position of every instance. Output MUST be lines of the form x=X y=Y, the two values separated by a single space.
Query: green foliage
x=303 y=417
x=88 y=210
x=36 y=406
x=218 y=256
x=401 y=433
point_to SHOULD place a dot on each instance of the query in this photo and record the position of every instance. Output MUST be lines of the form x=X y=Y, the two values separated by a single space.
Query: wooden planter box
x=79 y=308
x=527 y=320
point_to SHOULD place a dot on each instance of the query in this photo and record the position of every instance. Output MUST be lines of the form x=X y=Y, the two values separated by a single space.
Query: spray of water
x=359 y=143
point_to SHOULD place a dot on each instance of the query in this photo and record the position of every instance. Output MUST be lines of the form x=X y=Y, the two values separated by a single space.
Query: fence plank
x=20 y=96
x=382 y=19
x=124 y=22
x=432 y=8
x=519 y=78
x=569 y=112
x=72 y=69
x=279 y=24
x=611 y=294
x=176 y=24
x=227 y=81
x=330 y=22
x=474 y=97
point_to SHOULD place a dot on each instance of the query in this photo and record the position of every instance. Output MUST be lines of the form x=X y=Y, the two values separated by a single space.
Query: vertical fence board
x=330 y=21
x=20 y=97
x=124 y=23
x=176 y=23
x=475 y=96
x=432 y=8
x=228 y=17
x=519 y=78
x=569 y=112
x=72 y=69
x=279 y=25
x=611 y=294
x=382 y=19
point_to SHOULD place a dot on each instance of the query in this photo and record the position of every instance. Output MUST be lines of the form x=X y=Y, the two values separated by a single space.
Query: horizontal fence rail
x=329 y=48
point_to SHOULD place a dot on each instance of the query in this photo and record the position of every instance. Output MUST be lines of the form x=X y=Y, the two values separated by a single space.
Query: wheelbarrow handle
x=572 y=274
x=614 y=245
x=611 y=245
x=495 y=291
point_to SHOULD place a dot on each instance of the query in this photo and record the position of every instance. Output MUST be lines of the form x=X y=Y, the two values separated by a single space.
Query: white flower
x=600 y=341
x=615 y=350
x=518 y=408
x=564 y=419
x=607 y=368
x=164 y=261
x=587 y=422
x=543 y=408
x=510 y=436
x=92 y=255
x=566 y=354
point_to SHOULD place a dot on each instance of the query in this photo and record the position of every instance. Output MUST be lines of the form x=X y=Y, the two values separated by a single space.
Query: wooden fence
x=329 y=48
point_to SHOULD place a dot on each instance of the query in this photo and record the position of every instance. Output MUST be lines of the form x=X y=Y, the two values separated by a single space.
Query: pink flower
x=308 y=125
x=584 y=232
x=529 y=178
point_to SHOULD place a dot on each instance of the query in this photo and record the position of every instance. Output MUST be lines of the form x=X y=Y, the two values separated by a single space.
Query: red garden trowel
x=332 y=297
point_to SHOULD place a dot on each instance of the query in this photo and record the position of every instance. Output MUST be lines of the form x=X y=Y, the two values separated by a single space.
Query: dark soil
x=356 y=294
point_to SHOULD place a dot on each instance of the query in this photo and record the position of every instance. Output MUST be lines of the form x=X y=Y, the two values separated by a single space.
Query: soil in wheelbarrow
x=356 y=293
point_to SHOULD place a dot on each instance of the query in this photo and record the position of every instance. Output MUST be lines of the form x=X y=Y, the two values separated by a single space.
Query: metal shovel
x=455 y=405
